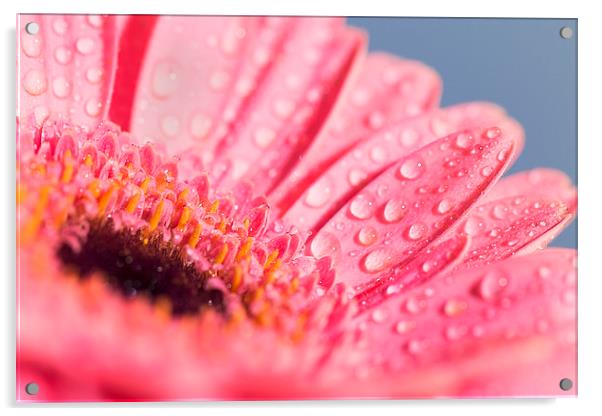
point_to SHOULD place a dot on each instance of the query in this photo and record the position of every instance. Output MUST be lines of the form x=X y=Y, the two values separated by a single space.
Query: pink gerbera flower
x=253 y=208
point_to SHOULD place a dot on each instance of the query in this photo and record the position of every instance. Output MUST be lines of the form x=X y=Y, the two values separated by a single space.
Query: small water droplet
x=95 y=20
x=454 y=307
x=165 y=79
x=319 y=193
x=94 y=75
x=499 y=211
x=416 y=231
x=356 y=176
x=61 y=87
x=264 y=137
x=492 y=133
x=415 y=305
x=367 y=235
x=377 y=260
x=31 y=45
x=502 y=155
x=486 y=171
x=59 y=26
x=362 y=206
x=93 y=107
x=63 y=55
x=463 y=140
x=200 y=125
x=408 y=137
x=375 y=120
x=378 y=154
x=473 y=226
x=403 y=327
x=414 y=347
x=492 y=286
x=455 y=332
x=411 y=168
x=283 y=108
x=170 y=126
x=394 y=210
x=35 y=82
x=443 y=207
x=325 y=244
x=85 y=45
x=379 y=316
x=219 y=80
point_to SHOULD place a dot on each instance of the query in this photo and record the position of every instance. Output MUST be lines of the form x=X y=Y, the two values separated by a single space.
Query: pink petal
x=504 y=227
x=182 y=92
x=411 y=203
x=66 y=69
x=290 y=105
x=542 y=182
x=386 y=91
x=475 y=333
x=370 y=157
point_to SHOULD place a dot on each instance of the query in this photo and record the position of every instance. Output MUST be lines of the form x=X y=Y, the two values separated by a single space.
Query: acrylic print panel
x=242 y=208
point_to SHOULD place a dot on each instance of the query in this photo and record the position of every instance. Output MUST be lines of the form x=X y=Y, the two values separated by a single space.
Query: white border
x=590 y=276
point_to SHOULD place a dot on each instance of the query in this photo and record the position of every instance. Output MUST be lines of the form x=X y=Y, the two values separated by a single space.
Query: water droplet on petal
x=35 y=82
x=367 y=235
x=31 y=45
x=492 y=286
x=377 y=260
x=356 y=176
x=408 y=137
x=94 y=75
x=454 y=332
x=93 y=107
x=264 y=137
x=443 y=207
x=376 y=120
x=378 y=154
x=403 y=327
x=414 y=347
x=200 y=125
x=502 y=155
x=219 y=80
x=416 y=231
x=325 y=244
x=463 y=140
x=95 y=20
x=170 y=126
x=486 y=171
x=492 y=133
x=415 y=305
x=499 y=211
x=284 y=108
x=63 y=55
x=362 y=206
x=61 y=87
x=394 y=210
x=473 y=226
x=379 y=316
x=84 y=45
x=454 y=307
x=319 y=193
x=59 y=26
x=411 y=168
x=165 y=79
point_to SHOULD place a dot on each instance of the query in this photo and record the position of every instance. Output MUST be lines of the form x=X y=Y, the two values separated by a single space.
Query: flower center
x=136 y=264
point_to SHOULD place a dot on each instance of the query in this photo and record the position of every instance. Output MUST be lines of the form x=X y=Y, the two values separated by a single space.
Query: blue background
x=523 y=65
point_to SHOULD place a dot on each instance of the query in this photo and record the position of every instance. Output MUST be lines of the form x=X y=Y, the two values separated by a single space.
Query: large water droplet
x=375 y=120
x=367 y=235
x=165 y=80
x=415 y=346
x=408 y=137
x=319 y=193
x=455 y=332
x=403 y=327
x=377 y=260
x=362 y=206
x=35 y=82
x=416 y=231
x=379 y=316
x=492 y=286
x=378 y=154
x=394 y=210
x=492 y=133
x=411 y=168
x=325 y=244
x=464 y=140
x=59 y=26
x=170 y=126
x=415 y=305
x=63 y=55
x=486 y=171
x=94 y=75
x=31 y=45
x=200 y=125
x=93 y=107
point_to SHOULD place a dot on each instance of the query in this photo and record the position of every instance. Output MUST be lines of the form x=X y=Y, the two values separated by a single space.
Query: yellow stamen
x=236 y=278
x=88 y=161
x=221 y=226
x=144 y=184
x=94 y=188
x=221 y=256
x=270 y=273
x=214 y=206
x=244 y=250
x=67 y=167
x=183 y=194
x=195 y=236
x=31 y=227
x=105 y=199
x=184 y=218
x=273 y=255
x=163 y=308
x=156 y=217
x=133 y=202
x=299 y=331
x=61 y=217
x=294 y=285
x=246 y=223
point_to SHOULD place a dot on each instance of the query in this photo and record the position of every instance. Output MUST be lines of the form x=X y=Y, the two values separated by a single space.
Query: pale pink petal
x=192 y=67
x=370 y=157
x=387 y=90
x=542 y=182
x=288 y=108
x=66 y=69
x=411 y=203
x=508 y=328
